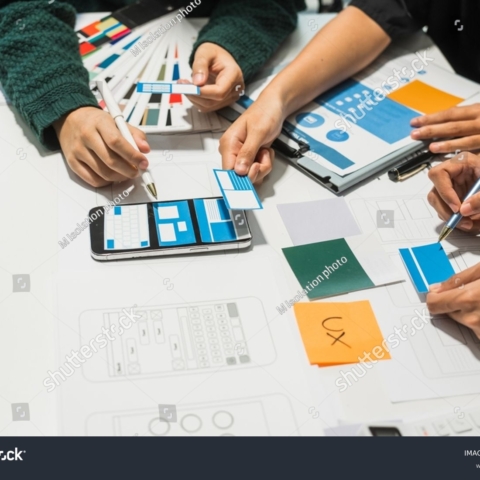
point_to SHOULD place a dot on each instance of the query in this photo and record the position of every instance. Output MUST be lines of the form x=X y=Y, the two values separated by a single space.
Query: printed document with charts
x=367 y=117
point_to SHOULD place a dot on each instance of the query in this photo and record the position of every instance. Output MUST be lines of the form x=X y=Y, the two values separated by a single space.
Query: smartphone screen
x=166 y=225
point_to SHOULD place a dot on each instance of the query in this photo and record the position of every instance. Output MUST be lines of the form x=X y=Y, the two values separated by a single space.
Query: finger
x=110 y=158
x=247 y=154
x=253 y=173
x=264 y=161
x=91 y=159
x=443 y=210
x=140 y=138
x=459 y=280
x=444 y=302
x=213 y=105
x=202 y=104
x=449 y=115
x=446 y=130
x=231 y=143
x=200 y=68
x=471 y=206
x=225 y=85
x=127 y=156
x=87 y=174
x=466 y=143
x=441 y=176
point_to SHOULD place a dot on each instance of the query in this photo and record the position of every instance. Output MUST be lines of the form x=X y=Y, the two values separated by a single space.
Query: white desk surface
x=29 y=192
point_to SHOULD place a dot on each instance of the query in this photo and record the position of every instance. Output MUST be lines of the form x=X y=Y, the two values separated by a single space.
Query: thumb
x=200 y=69
x=247 y=154
x=471 y=206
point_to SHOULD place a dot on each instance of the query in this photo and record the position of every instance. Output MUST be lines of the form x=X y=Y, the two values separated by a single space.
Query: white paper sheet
x=432 y=358
x=258 y=385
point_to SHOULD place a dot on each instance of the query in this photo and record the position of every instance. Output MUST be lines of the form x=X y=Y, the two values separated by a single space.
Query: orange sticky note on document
x=339 y=333
x=424 y=98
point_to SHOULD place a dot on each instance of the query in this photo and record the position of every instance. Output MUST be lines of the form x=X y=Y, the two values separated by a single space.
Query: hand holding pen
x=122 y=126
x=456 y=193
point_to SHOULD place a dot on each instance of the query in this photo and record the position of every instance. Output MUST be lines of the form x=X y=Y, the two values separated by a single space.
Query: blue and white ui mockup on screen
x=127 y=227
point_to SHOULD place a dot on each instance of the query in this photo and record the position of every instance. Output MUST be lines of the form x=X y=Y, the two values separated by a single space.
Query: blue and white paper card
x=238 y=192
x=167 y=87
x=427 y=265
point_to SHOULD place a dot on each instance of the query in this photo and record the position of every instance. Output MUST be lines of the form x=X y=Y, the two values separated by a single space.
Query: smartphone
x=166 y=228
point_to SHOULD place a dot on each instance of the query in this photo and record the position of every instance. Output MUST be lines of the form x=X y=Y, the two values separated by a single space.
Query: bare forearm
x=342 y=48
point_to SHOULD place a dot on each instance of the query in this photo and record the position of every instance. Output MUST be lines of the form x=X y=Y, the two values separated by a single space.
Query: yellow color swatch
x=109 y=22
x=339 y=333
x=119 y=29
x=424 y=98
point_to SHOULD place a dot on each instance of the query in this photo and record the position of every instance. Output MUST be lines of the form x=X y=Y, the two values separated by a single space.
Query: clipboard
x=294 y=152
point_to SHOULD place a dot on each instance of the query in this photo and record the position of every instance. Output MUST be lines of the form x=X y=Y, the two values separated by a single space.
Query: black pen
x=411 y=165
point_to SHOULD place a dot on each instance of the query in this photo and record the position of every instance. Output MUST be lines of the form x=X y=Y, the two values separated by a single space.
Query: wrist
x=272 y=100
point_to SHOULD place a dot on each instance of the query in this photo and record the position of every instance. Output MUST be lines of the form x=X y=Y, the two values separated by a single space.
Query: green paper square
x=309 y=263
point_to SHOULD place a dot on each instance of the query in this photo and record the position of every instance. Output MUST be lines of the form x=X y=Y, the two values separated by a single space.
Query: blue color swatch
x=427 y=265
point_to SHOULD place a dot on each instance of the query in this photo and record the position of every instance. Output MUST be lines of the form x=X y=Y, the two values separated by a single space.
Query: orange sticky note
x=339 y=333
x=424 y=98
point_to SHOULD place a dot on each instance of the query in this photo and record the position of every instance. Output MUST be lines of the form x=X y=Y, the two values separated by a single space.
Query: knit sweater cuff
x=69 y=97
x=249 y=49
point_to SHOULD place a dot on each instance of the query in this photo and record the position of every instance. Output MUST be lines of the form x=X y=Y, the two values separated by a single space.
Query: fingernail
x=453 y=207
x=435 y=287
x=143 y=165
x=436 y=147
x=241 y=168
x=415 y=134
x=198 y=78
x=415 y=122
x=466 y=209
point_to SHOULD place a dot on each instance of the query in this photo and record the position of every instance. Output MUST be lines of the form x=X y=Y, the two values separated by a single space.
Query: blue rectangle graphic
x=237 y=191
x=413 y=271
x=427 y=265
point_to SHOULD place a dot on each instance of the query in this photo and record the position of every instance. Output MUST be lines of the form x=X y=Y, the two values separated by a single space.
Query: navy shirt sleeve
x=392 y=16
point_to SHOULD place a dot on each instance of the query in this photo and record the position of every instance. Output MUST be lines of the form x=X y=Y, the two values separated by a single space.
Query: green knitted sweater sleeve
x=250 y=30
x=40 y=66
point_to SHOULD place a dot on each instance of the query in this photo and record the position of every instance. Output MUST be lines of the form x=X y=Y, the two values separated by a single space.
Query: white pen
x=121 y=123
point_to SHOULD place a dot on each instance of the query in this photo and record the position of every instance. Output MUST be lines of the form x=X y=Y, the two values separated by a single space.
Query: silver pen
x=455 y=219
